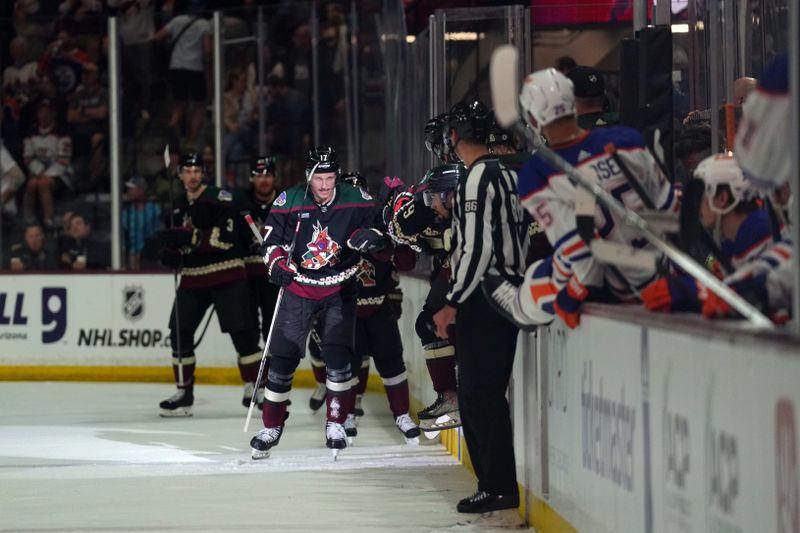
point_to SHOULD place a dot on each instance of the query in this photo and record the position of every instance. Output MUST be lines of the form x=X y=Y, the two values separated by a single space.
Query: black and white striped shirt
x=488 y=228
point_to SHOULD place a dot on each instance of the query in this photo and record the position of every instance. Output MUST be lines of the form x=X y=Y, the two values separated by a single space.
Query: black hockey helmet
x=355 y=179
x=434 y=130
x=325 y=156
x=499 y=136
x=471 y=122
x=192 y=159
x=264 y=164
x=441 y=180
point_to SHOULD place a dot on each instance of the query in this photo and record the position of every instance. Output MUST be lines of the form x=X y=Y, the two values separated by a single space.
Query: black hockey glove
x=282 y=272
x=171 y=258
x=181 y=237
x=366 y=239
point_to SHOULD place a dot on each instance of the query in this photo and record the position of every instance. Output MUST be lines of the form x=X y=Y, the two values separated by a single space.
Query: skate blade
x=260 y=454
x=180 y=412
x=430 y=435
x=350 y=440
x=505 y=519
x=412 y=441
x=335 y=453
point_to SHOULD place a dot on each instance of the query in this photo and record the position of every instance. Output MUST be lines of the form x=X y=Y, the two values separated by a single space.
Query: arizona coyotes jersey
x=321 y=254
x=246 y=202
x=218 y=258
x=550 y=197
x=378 y=275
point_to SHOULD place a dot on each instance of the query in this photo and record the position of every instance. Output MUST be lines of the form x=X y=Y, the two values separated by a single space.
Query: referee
x=488 y=234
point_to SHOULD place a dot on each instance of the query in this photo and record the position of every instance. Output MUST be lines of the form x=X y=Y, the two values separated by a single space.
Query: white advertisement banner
x=95 y=319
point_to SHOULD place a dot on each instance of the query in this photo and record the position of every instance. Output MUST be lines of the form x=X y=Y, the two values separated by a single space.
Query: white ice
x=96 y=457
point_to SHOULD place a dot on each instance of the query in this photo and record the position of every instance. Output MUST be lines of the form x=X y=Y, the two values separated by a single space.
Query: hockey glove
x=395 y=298
x=716 y=307
x=568 y=302
x=366 y=239
x=171 y=258
x=181 y=238
x=282 y=272
x=673 y=293
x=389 y=188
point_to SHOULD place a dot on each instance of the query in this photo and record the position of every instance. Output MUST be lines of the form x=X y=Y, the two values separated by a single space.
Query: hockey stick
x=174 y=273
x=257 y=233
x=503 y=80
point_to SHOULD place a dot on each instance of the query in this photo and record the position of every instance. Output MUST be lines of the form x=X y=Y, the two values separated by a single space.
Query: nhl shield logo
x=133 y=302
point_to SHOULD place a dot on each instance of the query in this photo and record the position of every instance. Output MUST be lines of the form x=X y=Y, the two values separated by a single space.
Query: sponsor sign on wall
x=116 y=319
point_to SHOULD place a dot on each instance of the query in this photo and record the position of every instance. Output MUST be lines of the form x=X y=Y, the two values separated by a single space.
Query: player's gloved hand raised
x=180 y=237
x=568 y=302
x=171 y=258
x=366 y=239
x=389 y=187
x=672 y=293
x=282 y=272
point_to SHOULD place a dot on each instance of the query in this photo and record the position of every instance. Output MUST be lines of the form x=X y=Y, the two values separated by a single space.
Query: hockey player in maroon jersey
x=326 y=225
x=377 y=332
x=205 y=246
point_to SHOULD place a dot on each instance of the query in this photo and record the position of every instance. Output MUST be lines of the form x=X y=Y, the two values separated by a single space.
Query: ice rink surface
x=97 y=457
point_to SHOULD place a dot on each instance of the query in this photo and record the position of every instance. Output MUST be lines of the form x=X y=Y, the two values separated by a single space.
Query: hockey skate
x=318 y=397
x=408 y=428
x=503 y=296
x=262 y=443
x=335 y=438
x=358 y=410
x=351 y=428
x=440 y=415
x=177 y=405
x=249 y=388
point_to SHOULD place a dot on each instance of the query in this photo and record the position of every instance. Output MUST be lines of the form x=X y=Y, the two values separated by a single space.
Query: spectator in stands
x=88 y=113
x=288 y=117
x=191 y=52
x=80 y=251
x=590 y=98
x=564 y=64
x=141 y=220
x=742 y=87
x=297 y=62
x=31 y=254
x=48 y=155
x=11 y=179
x=136 y=29
x=238 y=115
x=20 y=77
x=64 y=60
x=34 y=21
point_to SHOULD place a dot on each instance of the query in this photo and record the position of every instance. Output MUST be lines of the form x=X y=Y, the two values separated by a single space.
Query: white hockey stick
x=503 y=74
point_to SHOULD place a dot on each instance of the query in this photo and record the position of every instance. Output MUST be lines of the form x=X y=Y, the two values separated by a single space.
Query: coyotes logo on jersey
x=322 y=250
x=366 y=273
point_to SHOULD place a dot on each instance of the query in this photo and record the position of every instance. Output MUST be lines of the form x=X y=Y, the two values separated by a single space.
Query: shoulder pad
x=224 y=196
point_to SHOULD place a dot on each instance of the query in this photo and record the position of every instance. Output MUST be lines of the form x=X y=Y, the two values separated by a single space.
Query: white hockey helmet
x=723 y=169
x=547 y=95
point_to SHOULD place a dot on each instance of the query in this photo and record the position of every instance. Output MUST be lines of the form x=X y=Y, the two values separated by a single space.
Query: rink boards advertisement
x=653 y=430
x=95 y=319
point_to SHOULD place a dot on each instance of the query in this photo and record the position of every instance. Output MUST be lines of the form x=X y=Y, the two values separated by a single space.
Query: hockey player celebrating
x=557 y=285
x=205 y=247
x=741 y=226
x=488 y=235
x=377 y=332
x=325 y=225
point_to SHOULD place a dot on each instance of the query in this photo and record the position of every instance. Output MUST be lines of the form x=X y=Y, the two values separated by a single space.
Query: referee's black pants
x=485 y=346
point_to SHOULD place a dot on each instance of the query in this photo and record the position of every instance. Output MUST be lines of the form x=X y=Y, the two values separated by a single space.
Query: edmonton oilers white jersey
x=549 y=196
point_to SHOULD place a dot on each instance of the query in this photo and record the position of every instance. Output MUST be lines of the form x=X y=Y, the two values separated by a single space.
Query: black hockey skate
x=249 y=388
x=484 y=502
x=440 y=415
x=318 y=397
x=177 y=405
x=266 y=439
x=351 y=428
x=502 y=296
x=335 y=437
x=408 y=428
